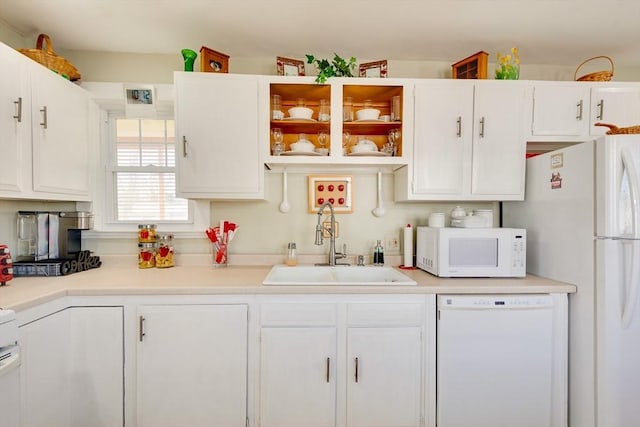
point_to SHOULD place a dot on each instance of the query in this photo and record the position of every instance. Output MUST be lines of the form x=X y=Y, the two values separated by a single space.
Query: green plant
x=338 y=67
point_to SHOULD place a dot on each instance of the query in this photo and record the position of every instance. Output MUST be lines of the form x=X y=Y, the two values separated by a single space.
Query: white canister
x=436 y=219
x=487 y=214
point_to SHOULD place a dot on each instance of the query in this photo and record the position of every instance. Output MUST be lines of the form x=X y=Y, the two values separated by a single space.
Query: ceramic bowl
x=364 y=146
x=302 y=145
x=300 y=113
x=367 y=114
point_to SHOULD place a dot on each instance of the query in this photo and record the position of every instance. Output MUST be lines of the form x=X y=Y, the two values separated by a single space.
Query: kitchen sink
x=313 y=275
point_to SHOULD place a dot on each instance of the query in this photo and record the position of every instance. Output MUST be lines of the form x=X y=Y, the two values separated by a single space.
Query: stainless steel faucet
x=333 y=255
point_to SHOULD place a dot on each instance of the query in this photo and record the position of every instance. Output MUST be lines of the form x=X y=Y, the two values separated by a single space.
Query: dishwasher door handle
x=9 y=364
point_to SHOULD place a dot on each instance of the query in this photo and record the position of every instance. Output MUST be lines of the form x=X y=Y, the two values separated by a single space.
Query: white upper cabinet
x=560 y=110
x=59 y=120
x=469 y=142
x=218 y=153
x=15 y=120
x=45 y=132
x=618 y=105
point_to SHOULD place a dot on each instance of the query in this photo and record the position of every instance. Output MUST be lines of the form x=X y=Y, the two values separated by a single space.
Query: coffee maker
x=44 y=235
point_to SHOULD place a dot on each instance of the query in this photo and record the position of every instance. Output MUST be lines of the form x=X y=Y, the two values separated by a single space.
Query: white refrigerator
x=581 y=212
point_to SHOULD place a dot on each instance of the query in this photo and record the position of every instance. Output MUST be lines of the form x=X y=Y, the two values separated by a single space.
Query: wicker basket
x=49 y=59
x=615 y=130
x=598 y=76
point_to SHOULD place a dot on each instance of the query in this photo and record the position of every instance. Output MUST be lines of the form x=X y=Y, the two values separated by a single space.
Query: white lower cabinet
x=384 y=380
x=297 y=377
x=72 y=368
x=346 y=362
x=192 y=365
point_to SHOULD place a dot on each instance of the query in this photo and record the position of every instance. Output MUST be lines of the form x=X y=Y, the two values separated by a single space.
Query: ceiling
x=554 y=32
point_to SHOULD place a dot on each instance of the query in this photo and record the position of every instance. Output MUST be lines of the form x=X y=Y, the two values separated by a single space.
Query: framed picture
x=289 y=67
x=374 y=69
x=212 y=61
x=337 y=189
x=472 y=67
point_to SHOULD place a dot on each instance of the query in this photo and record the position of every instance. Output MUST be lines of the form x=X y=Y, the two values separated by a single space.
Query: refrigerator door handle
x=633 y=285
x=632 y=173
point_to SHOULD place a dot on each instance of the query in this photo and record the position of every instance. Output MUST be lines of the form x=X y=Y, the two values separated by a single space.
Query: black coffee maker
x=44 y=235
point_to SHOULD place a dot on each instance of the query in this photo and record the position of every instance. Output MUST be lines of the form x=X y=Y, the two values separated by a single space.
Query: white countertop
x=118 y=279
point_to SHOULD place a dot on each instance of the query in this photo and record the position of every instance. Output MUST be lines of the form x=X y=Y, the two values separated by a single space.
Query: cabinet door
x=298 y=377
x=560 y=110
x=60 y=116
x=385 y=368
x=192 y=366
x=614 y=105
x=96 y=366
x=218 y=152
x=15 y=120
x=499 y=144
x=72 y=369
x=45 y=380
x=442 y=138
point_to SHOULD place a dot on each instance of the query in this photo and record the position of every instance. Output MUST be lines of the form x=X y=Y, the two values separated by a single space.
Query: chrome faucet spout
x=332 y=235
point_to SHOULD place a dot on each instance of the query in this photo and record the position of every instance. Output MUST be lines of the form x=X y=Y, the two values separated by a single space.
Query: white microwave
x=472 y=252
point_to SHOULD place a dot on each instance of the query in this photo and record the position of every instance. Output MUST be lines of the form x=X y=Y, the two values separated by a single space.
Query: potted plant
x=338 y=67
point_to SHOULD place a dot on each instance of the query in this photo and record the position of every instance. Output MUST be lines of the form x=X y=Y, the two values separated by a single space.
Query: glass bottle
x=291 y=258
x=378 y=254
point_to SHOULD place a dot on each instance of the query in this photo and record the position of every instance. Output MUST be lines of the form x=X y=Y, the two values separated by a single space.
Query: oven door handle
x=9 y=364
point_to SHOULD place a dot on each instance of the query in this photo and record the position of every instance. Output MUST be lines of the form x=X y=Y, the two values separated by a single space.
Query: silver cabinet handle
x=482 y=127
x=459 y=125
x=579 y=105
x=43 y=123
x=328 y=367
x=600 y=110
x=141 y=328
x=184 y=146
x=356 y=373
x=18 y=105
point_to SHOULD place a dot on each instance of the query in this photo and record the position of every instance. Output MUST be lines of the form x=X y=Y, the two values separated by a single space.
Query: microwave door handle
x=10 y=364
x=634 y=184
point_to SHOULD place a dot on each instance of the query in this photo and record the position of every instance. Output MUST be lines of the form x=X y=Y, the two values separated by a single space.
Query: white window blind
x=143 y=172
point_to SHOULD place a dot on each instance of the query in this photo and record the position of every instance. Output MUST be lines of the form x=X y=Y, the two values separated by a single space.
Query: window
x=142 y=170
x=137 y=180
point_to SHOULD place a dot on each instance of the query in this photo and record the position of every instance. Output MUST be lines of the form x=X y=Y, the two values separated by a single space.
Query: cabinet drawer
x=303 y=314
x=371 y=314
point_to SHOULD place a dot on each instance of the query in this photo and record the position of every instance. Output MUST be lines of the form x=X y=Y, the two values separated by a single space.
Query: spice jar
x=147 y=233
x=164 y=254
x=146 y=255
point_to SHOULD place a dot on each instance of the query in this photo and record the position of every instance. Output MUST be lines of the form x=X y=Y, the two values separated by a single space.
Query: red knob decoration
x=320 y=201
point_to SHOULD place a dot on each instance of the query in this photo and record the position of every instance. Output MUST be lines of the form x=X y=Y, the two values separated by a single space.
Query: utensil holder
x=220 y=255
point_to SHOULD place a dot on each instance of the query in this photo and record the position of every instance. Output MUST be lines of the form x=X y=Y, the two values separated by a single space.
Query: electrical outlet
x=326 y=225
x=392 y=243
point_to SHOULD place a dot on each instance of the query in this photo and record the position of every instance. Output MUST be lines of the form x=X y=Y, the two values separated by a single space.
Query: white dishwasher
x=502 y=361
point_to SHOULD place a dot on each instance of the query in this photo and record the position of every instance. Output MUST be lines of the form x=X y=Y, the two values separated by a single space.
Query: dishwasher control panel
x=495 y=301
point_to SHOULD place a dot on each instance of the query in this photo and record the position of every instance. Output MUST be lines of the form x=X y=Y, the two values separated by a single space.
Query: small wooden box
x=472 y=67
x=212 y=61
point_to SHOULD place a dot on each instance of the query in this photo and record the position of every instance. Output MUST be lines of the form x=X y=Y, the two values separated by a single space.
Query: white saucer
x=301 y=153
x=370 y=153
